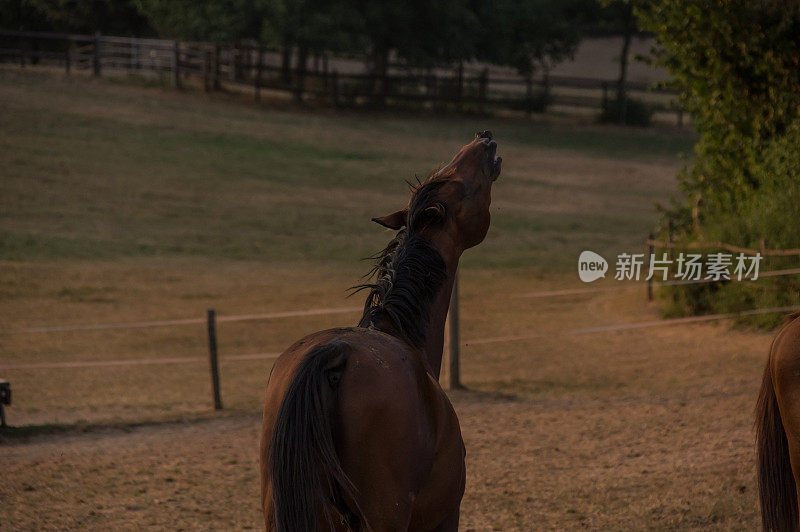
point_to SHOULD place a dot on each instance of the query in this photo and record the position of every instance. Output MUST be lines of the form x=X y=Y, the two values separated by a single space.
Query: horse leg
x=790 y=414
x=450 y=524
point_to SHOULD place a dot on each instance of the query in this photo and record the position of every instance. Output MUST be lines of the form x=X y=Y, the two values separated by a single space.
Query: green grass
x=100 y=170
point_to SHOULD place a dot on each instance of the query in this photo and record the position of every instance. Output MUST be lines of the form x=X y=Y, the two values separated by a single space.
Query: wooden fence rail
x=249 y=64
x=763 y=250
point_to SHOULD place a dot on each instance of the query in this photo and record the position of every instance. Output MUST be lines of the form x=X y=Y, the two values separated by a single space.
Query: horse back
x=395 y=432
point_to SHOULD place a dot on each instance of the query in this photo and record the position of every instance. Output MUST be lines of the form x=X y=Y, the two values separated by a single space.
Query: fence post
x=453 y=342
x=233 y=66
x=334 y=85
x=680 y=116
x=67 y=58
x=650 y=251
x=216 y=67
x=669 y=239
x=207 y=70
x=432 y=82
x=176 y=65
x=134 y=57
x=98 y=53
x=257 y=77
x=546 y=88
x=483 y=85
x=529 y=95
x=212 y=351
x=605 y=95
x=460 y=89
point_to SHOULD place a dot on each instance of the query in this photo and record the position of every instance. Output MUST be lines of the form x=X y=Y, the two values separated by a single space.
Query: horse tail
x=776 y=485
x=307 y=478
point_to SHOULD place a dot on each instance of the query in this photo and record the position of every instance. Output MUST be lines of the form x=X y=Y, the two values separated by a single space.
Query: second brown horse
x=778 y=431
x=357 y=433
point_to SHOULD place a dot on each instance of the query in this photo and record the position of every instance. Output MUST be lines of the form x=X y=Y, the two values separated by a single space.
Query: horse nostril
x=484 y=135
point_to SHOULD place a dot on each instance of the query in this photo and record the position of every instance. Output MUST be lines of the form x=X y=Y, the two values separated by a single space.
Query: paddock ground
x=122 y=202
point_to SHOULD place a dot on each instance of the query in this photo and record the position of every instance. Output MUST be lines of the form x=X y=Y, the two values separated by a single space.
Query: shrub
x=737 y=68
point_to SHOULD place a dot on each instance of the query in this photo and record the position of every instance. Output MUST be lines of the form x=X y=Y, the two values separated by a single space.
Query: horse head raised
x=454 y=199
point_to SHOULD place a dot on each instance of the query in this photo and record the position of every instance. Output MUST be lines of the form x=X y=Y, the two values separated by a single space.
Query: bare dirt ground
x=627 y=430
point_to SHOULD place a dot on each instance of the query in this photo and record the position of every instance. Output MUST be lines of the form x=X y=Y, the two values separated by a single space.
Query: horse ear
x=396 y=220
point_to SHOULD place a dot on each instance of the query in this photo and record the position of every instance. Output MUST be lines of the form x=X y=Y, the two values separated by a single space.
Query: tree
x=618 y=16
x=309 y=26
x=738 y=66
x=120 y=17
x=204 y=20
x=421 y=34
x=21 y=15
x=529 y=35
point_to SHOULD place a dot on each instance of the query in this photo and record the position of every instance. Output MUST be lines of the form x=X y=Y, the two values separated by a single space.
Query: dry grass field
x=125 y=203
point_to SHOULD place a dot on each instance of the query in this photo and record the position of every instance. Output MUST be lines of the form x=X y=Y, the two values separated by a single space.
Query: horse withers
x=778 y=430
x=357 y=433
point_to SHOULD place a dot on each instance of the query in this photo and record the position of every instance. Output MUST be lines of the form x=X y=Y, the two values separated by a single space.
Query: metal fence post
x=483 y=89
x=67 y=56
x=453 y=342
x=650 y=252
x=98 y=53
x=212 y=351
x=334 y=86
x=216 y=67
x=176 y=65
x=257 y=77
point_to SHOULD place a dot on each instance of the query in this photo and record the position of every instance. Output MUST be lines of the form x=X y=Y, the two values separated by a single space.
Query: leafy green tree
x=738 y=66
x=309 y=26
x=119 y=17
x=204 y=20
x=21 y=15
x=530 y=35
x=419 y=33
x=618 y=16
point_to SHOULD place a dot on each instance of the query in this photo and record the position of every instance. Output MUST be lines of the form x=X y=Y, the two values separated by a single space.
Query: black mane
x=408 y=272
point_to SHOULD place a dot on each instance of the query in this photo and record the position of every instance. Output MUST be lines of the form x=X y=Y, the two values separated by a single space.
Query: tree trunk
x=628 y=27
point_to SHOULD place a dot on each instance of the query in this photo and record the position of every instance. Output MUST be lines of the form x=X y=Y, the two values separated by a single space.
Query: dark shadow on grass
x=474 y=395
x=28 y=433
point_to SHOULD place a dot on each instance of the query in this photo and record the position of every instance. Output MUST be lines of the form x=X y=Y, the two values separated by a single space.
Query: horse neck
x=433 y=346
x=399 y=306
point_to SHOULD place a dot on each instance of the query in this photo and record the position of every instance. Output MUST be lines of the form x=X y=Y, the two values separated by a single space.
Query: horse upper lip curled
x=493 y=163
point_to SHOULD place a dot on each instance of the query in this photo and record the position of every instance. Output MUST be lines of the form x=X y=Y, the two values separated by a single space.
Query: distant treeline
x=528 y=35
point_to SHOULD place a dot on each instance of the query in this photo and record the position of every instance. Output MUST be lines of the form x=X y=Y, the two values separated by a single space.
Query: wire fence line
x=763 y=250
x=471 y=87
x=134 y=362
x=674 y=282
x=185 y=321
x=340 y=310
x=468 y=343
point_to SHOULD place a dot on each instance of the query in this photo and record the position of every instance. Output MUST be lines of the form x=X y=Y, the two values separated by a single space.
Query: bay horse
x=778 y=430
x=357 y=434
